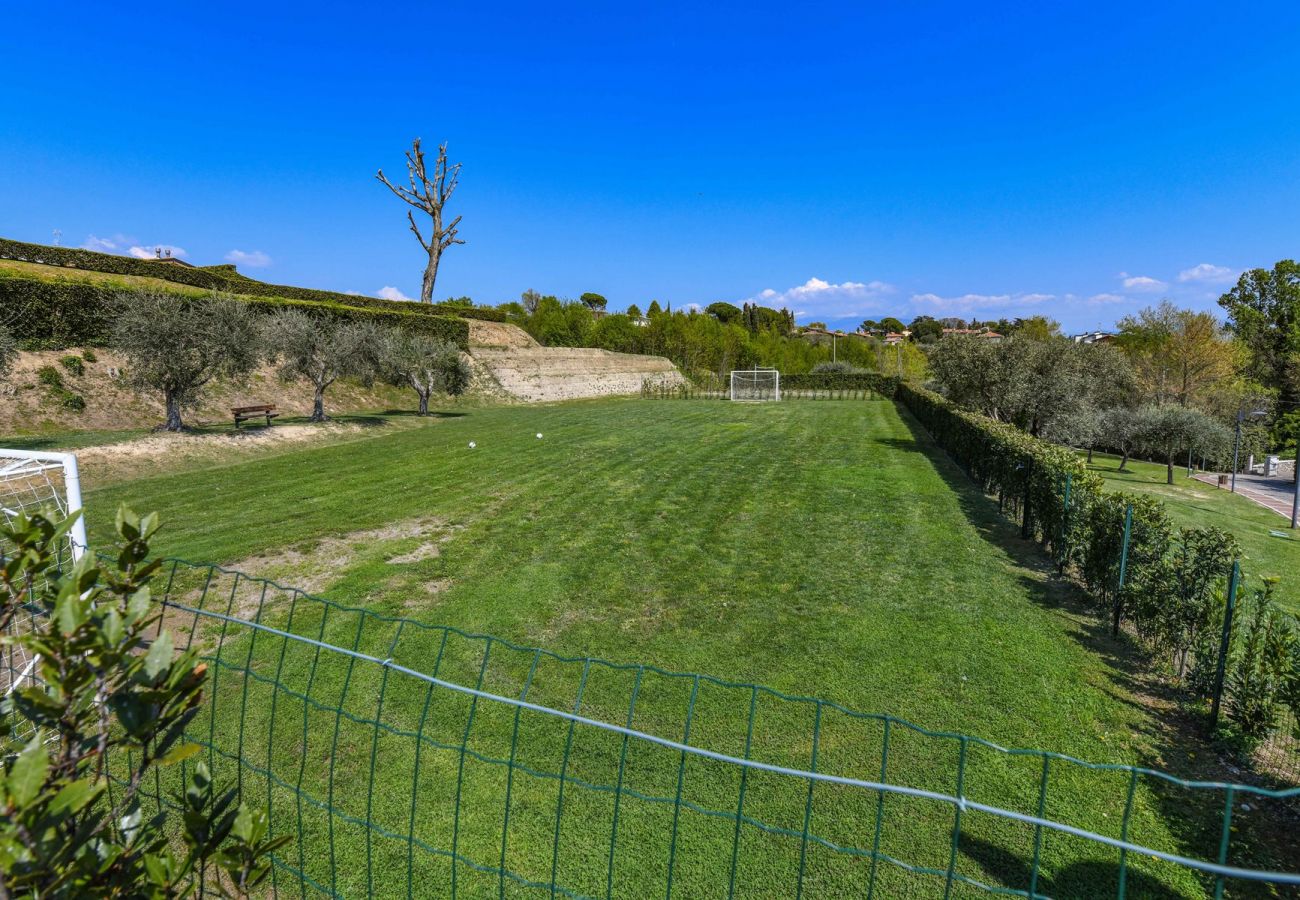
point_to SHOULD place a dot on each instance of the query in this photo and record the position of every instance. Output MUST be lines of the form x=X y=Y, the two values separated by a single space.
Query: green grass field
x=819 y=548
x=1193 y=503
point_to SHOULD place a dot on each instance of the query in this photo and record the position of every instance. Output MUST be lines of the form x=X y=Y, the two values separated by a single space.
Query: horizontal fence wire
x=406 y=759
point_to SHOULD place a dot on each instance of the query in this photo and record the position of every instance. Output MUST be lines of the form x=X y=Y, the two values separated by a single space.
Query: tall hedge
x=223 y=278
x=51 y=315
x=885 y=385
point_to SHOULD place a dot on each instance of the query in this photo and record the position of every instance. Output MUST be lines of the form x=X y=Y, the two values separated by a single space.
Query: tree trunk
x=318 y=406
x=1119 y=612
x=430 y=274
x=1123 y=461
x=173 y=412
x=424 y=402
x=1169 y=470
x=1089 y=456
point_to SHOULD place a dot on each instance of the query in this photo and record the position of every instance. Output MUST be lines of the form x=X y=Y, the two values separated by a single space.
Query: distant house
x=974 y=332
x=1093 y=337
x=896 y=337
x=166 y=257
x=640 y=321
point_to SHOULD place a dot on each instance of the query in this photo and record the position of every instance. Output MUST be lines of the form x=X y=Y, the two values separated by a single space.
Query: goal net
x=755 y=384
x=32 y=482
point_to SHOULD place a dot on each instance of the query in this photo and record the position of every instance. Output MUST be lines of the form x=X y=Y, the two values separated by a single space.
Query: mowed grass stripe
x=820 y=548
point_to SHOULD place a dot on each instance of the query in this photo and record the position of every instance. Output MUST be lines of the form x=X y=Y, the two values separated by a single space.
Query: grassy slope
x=1194 y=503
x=814 y=547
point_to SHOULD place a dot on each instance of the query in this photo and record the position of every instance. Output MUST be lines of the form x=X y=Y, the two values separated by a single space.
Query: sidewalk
x=1276 y=494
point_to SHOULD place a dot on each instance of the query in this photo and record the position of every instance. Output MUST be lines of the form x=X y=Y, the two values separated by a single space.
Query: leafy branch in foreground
x=104 y=707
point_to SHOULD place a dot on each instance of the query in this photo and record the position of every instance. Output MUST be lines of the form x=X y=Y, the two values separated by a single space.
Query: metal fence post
x=1225 y=643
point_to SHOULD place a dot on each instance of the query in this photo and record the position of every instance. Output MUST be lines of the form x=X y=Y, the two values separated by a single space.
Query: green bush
x=50 y=315
x=70 y=401
x=89 y=356
x=49 y=376
x=74 y=365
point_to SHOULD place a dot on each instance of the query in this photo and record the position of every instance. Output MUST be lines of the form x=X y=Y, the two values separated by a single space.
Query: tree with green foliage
x=1120 y=428
x=1035 y=328
x=530 y=299
x=593 y=301
x=1264 y=313
x=177 y=345
x=321 y=351
x=634 y=311
x=1166 y=430
x=654 y=309
x=925 y=329
x=425 y=364
x=889 y=323
x=1179 y=355
x=617 y=333
x=726 y=313
x=103 y=716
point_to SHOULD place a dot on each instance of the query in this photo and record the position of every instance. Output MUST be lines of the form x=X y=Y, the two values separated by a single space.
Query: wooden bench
x=244 y=413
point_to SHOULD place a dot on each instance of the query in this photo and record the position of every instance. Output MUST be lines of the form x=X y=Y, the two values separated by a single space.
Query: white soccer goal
x=755 y=384
x=29 y=483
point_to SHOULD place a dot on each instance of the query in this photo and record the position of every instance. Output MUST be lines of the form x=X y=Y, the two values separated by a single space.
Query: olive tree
x=425 y=364
x=1166 y=430
x=321 y=350
x=177 y=345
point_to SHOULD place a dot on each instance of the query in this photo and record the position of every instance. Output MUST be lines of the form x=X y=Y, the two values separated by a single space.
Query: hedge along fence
x=884 y=385
x=1176 y=587
x=52 y=315
x=224 y=278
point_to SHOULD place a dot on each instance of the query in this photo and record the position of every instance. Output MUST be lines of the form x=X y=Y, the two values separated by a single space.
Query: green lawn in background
x=820 y=548
x=1193 y=503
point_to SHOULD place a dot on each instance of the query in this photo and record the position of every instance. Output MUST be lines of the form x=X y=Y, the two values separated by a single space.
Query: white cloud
x=1208 y=273
x=150 y=252
x=1098 y=299
x=1141 y=282
x=822 y=298
x=254 y=259
x=968 y=302
x=102 y=245
x=391 y=293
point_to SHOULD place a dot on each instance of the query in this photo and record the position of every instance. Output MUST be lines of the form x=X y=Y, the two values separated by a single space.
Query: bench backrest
x=252 y=409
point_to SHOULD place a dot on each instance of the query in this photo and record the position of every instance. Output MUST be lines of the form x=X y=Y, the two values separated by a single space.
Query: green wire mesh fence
x=407 y=759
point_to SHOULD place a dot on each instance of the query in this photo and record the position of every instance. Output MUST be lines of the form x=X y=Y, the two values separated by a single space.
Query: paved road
x=1275 y=493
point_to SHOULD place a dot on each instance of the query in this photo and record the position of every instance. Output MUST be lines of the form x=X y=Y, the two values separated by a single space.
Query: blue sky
x=848 y=160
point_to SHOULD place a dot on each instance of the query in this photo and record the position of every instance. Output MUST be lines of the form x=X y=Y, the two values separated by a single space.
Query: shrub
x=49 y=376
x=70 y=401
x=74 y=365
x=108 y=687
x=823 y=367
x=1261 y=667
x=89 y=356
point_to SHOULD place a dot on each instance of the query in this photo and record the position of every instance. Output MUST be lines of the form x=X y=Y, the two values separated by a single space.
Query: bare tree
x=429 y=195
x=321 y=351
x=176 y=344
x=424 y=364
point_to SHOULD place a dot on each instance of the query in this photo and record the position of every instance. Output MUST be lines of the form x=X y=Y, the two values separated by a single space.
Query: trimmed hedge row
x=51 y=315
x=884 y=385
x=1059 y=502
x=223 y=278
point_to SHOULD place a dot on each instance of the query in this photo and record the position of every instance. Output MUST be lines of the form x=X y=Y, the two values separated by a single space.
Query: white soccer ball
x=539 y=435
x=472 y=445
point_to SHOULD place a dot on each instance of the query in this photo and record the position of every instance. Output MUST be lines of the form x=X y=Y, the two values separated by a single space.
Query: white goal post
x=755 y=384
x=30 y=482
